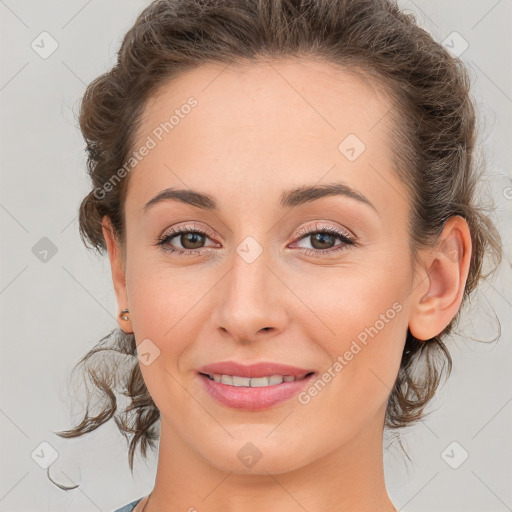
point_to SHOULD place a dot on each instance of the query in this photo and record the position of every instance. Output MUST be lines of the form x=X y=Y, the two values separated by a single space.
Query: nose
x=251 y=301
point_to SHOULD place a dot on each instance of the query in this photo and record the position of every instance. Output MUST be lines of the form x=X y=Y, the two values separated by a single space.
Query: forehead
x=276 y=121
x=270 y=94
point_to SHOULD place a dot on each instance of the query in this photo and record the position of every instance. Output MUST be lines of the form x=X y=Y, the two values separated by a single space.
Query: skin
x=257 y=130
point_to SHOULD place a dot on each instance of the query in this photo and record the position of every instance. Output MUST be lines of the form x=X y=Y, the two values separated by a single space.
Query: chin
x=257 y=455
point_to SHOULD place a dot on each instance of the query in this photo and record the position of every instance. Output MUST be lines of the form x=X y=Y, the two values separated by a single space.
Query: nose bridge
x=250 y=300
x=251 y=269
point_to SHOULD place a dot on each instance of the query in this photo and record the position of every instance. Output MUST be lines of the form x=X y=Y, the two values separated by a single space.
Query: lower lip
x=253 y=399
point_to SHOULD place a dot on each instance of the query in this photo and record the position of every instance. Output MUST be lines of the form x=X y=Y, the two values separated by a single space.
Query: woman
x=286 y=191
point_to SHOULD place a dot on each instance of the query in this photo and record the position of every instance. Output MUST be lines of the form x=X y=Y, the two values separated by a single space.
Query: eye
x=191 y=240
x=322 y=240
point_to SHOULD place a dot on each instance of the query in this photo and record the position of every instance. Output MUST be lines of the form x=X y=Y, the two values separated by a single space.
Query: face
x=321 y=282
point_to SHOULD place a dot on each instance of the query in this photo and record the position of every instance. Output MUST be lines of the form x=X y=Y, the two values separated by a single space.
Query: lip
x=253 y=399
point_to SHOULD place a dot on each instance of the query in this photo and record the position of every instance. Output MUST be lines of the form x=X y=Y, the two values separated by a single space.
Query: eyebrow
x=289 y=198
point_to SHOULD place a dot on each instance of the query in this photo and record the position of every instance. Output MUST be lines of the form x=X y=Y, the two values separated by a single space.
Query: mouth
x=254 y=382
x=253 y=393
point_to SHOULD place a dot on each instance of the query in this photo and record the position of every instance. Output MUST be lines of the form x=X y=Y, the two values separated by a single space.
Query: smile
x=254 y=382
x=253 y=393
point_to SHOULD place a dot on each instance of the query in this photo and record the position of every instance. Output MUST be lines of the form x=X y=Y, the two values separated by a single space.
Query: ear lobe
x=117 y=268
x=445 y=269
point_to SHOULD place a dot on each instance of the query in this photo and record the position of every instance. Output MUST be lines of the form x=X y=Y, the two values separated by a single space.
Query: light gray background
x=53 y=312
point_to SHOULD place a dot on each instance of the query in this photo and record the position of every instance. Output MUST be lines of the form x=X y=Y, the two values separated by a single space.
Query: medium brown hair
x=435 y=134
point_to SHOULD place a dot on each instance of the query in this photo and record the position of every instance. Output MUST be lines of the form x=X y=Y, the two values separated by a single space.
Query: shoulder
x=129 y=507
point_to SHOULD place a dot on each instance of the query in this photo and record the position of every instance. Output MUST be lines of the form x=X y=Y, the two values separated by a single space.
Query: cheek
x=161 y=307
x=361 y=322
x=352 y=303
x=169 y=306
x=165 y=315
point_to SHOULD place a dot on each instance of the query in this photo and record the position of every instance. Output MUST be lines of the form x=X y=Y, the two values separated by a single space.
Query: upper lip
x=263 y=369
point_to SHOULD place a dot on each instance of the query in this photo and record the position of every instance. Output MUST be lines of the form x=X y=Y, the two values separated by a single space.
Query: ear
x=442 y=280
x=118 y=271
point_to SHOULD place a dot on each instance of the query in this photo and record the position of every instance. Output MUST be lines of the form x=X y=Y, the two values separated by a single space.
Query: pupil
x=323 y=238
x=193 y=238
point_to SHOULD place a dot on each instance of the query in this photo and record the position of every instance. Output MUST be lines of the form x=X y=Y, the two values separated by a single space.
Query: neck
x=350 y=478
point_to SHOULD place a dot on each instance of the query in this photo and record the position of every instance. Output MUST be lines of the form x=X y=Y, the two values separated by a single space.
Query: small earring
x=123 y=315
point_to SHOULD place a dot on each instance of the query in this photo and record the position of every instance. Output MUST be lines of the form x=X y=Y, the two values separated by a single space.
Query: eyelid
x=188 y=227
x=300 y=234
x=308 y=229
x=321 y=226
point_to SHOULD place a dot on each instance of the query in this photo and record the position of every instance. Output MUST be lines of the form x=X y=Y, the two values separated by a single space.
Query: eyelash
x=348 y=241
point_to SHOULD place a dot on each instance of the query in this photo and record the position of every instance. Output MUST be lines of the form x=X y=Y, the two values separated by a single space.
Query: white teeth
x=227 y=379
x=254 y=382
x=241 y=381
x=259 y=382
